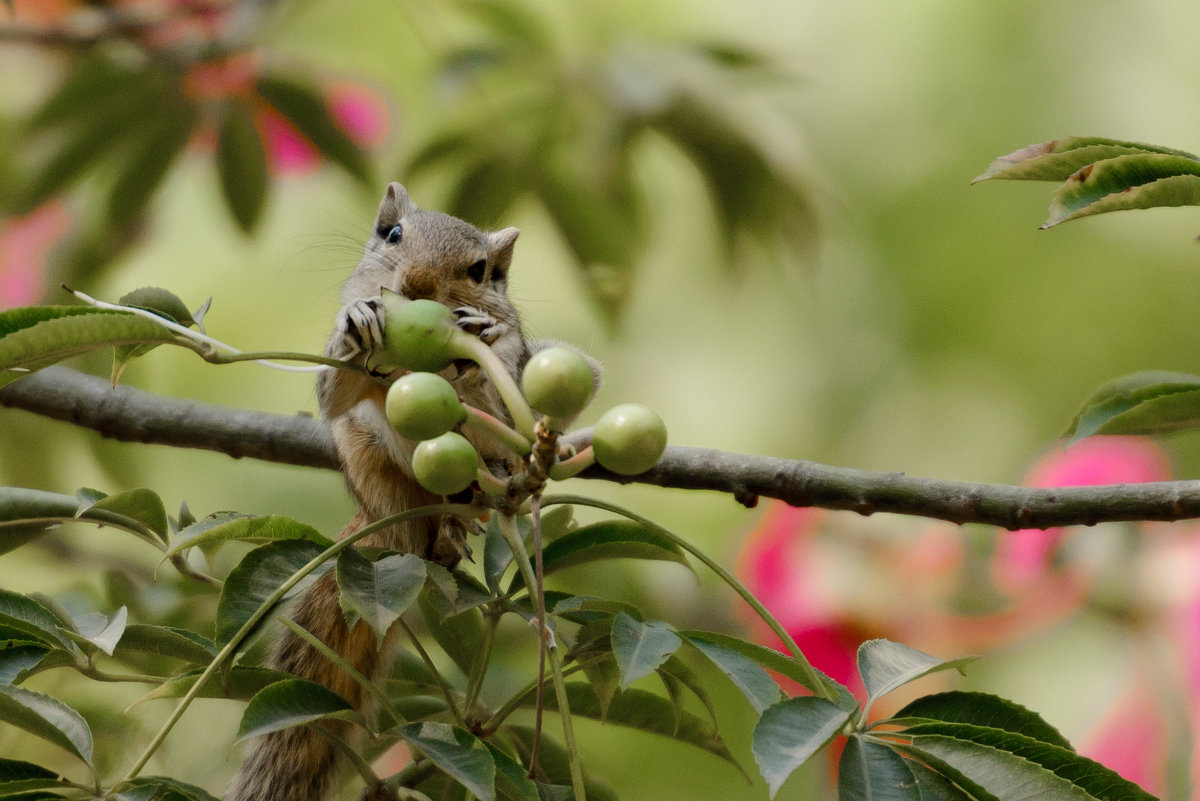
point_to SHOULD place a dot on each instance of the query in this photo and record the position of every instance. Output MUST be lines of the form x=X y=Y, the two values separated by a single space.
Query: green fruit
x=446 y=464
x=422 y=406
x=558 y=381
x=629 y=439
x=418 y=335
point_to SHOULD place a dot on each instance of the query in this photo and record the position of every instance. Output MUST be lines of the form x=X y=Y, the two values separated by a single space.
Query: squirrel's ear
x=396 y=205
x=501 y=244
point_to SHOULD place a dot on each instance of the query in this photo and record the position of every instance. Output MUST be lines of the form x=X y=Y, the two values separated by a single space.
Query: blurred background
x=758 y=217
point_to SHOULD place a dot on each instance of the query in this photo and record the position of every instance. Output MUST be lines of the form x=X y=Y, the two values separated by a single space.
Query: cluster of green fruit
x=421 y=336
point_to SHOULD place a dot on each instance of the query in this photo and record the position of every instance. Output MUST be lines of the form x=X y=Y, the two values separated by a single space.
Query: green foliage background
x=933 y=330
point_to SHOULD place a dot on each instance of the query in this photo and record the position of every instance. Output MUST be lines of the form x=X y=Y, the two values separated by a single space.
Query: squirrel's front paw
x=360 y=326
x=479 y=323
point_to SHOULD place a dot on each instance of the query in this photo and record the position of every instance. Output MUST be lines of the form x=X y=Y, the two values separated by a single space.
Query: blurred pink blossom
x=25 y=243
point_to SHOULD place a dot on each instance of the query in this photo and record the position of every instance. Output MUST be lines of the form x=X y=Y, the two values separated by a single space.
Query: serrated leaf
x=242 y=166
x=19 y=657
x=54 y=339
x=869 y=771
x=643 y=711
x=260 y=573
x=459 y=753
x=616 y=539
x=305 y=108
x=1149 y=402
x=676 y=671
x=47 y=718
x=379 y=592
x=936 y=787
x=167 y=641
x=162 y=788
x=1139 y=181
x=142 y=505
x=885 y=665
x=983 y=709
x=768 y=658
x=22 y=613
x=292 y=702
x=1010 y=766
x=1058 y=159
x=789 y=733
x=754 y=682
x=512 y=782
x=640 y=647
x=225 y=526
x=240 y=684
x=18 y=778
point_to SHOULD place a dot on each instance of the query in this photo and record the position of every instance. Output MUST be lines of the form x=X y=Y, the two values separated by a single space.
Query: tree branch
x=132 y=415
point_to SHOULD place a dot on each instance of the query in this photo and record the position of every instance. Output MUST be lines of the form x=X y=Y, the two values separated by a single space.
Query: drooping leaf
x=1059 y=159
x=553 y=767
x=31 y=617
x=18 y=778
x=993 y=763
x=676 y=671
x=746 y=674
x=47 y=718
x=768 y=658
x=459 y=634
x=497 y=555
x=166 y=641
x=226 y=526
x=260 y=573
x=641 y=647
x=162 y=788
x=983 y=709
x=1150 y=402
x=789 y=733
x=511 y=779
x=19 y=657
x=305 y=108
x=292 y=702
x=870 y=771
x=1138 y=181
x=885 y=665
x=379 y=592
x=100 y=631
x=239 y=684
x=459 y=753
x=644 y=711
x=149 y=161
x=142 y=505
x=242 y=167
x=615 y=539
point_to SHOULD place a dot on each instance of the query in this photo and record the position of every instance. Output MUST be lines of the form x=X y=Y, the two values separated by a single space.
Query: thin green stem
x=479 y=669
x=333 y=656
x=96 y=674
x=564 y=712
x=566 y=468
x=443 y=685
x=495 y=428
x=516 y=701
x=266 y=606
x=510 y=393
x=813 y=680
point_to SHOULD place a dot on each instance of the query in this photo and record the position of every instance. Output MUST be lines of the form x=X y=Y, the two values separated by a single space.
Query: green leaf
x=754 y=682
x=47 y=718
x=305 y=108
x=936 y=787
x=239 y=684
x=60 y=337
x=675 y=672
x=1150 y=402
x=511 y=779
x=459 y=634
x=497 y=556
x=292 y=702
x=643 y=711
x=982 y=709
x=1139 y=181
x=870 y=771
x=100 y=631
x=242 y=166
x=885 y=665
x=19 y=778
x=166 y=641
x=767 y=657
x=641 y=647
x=991 y=763
x=1058 y=159
x=464 y=757
x=142 y=505
x=153 y=299
x=792 y=731
x=605 y=678
x=162 y=788
x=18 y=658
x=148 y=162
x=379 y=592
x=615 y=539
x=225 y=526
x=260 y=573
x=24 y=614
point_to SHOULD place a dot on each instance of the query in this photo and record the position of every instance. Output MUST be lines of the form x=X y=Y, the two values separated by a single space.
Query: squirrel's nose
x=419 y=284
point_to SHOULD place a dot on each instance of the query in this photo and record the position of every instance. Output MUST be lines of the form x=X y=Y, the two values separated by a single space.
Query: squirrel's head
x=427 y=254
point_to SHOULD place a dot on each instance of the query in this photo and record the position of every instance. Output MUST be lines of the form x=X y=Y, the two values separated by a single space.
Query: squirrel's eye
x=395 y=235
x=476 y=271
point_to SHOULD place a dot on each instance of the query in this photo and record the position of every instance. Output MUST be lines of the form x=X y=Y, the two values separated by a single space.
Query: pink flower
x=25 y=243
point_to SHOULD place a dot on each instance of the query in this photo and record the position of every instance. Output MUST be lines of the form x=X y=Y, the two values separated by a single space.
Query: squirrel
x=418 y=254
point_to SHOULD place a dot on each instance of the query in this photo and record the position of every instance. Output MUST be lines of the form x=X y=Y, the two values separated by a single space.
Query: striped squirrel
x=419 y=254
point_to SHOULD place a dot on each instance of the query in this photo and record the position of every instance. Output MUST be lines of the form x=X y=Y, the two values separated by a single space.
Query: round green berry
x=422 y=406
x=418 y=335
x=629 y=439
x=446 y=464
x=558 y=381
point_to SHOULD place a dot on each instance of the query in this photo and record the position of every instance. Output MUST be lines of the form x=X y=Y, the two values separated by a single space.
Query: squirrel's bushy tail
x=298 y=763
